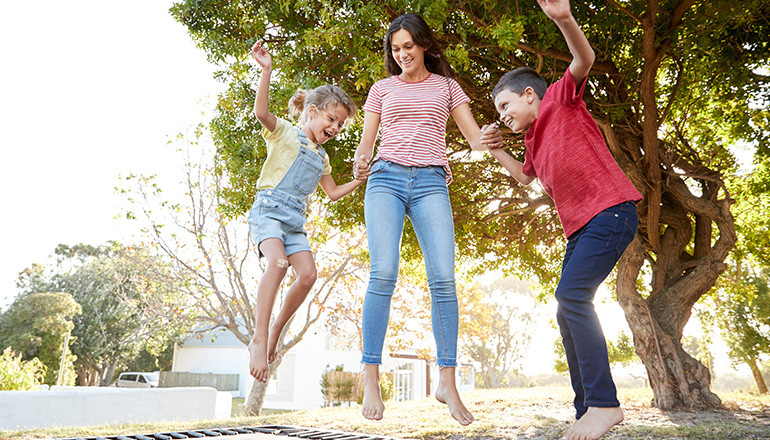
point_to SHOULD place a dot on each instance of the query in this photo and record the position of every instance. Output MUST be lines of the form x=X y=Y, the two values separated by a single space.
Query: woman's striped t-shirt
x=413 y=118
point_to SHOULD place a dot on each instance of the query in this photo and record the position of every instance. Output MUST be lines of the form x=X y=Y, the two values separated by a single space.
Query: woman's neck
x=414 y=76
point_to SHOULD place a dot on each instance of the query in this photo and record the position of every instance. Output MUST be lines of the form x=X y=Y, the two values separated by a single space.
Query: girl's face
x=409 y=56
x=323 y=125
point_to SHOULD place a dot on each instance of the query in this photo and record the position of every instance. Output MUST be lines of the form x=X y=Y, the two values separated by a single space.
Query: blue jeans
x=591 y=253
x=393 y=192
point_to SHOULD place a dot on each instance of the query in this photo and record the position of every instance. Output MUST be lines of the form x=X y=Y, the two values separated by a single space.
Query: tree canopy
x=676 y=84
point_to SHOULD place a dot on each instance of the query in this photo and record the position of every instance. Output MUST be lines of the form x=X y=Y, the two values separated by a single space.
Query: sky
x=89 y=90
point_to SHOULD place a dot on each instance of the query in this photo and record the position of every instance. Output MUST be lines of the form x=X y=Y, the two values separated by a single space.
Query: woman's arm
x=470 y=129
x=366 y=145
x=262 y=100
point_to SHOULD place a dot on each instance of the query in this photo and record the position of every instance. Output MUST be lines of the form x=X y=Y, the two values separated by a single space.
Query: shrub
x=16 y=374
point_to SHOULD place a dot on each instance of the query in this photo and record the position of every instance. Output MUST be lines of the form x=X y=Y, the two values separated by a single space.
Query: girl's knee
x=307 y=278
x=277 y=264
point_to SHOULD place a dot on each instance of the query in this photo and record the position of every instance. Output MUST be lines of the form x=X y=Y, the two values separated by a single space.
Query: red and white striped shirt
x=413 y=118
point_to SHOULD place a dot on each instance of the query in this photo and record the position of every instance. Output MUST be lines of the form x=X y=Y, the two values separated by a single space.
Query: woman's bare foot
x=595 y=423
x=372 y=406
x=447 y=393
x=258 y=360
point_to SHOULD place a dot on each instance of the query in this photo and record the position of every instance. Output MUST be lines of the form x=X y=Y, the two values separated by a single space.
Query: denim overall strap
x=304 y=174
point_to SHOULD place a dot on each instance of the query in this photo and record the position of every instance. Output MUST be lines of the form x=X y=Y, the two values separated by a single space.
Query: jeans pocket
x=379 y=166
x=439 y=171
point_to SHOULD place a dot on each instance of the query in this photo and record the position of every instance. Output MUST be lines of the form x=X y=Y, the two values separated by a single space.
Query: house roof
x=213 y=338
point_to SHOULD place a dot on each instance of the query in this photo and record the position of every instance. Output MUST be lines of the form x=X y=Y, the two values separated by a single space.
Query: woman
x=409 y=177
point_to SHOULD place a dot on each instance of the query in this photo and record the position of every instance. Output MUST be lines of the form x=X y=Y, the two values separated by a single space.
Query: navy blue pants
x=591 y=254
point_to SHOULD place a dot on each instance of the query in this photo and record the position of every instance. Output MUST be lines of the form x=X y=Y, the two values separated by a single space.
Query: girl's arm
x=512 y=165
x=337 y=192
x=473 y=134
x=262 y=100
x=366 y=145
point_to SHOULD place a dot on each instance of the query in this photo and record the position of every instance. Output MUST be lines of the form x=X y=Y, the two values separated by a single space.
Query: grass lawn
x=514 y=413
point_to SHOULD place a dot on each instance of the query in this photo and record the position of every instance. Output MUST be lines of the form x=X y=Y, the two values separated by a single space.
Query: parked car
x=138 y=380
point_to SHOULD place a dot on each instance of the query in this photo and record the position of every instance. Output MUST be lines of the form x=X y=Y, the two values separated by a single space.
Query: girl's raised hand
x=261 y=56
x=555 y=9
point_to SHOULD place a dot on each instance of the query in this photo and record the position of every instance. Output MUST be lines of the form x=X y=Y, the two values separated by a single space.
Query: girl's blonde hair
x=323 y=97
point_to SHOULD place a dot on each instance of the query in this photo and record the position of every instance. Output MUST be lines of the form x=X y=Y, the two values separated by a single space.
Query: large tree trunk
x=677 y=379
x=684 y=263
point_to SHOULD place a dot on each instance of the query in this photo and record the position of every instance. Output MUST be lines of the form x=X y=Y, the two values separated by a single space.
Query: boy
x=596 y=205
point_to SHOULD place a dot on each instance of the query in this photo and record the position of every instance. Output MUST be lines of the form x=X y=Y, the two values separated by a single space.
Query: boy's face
x=517 y=111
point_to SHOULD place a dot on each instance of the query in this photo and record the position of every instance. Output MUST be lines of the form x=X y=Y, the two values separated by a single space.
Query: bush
x=16 y=374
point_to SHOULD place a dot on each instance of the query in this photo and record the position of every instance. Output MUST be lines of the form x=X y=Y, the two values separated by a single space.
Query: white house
x=296 y=384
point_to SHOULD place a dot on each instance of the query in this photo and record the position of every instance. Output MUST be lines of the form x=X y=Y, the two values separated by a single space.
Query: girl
x=409 y=177
x=295 y=165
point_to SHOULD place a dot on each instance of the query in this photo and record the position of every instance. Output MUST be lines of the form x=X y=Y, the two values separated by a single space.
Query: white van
x=138 y=380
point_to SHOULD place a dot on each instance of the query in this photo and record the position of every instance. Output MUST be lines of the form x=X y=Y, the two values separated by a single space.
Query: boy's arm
x=512 y=165
x=262 y=100
x=337 y=192
x=582 y=54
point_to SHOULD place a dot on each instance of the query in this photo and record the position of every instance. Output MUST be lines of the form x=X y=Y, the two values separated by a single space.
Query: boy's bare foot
x=372 y=406
x=447 y=393
x=595 y=423
x=258 y=360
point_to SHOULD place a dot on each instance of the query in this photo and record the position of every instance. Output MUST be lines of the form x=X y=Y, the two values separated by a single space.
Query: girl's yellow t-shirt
x=282 y=150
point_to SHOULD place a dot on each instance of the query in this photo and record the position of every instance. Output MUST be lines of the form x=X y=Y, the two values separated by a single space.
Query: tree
x=494 y=333
x=740 y=305
x=127 y=298
x=215 y=264
x=36 y=326
x=669 y=91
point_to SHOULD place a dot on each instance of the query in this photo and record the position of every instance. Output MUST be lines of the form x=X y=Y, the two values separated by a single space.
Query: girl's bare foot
x=372 y=406
x=447 y=393
x=595 y=423
x=272 y=343
x=258 y=360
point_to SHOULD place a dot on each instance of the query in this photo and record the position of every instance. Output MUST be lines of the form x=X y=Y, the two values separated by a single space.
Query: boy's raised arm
x=262 y=100
x=582 y=54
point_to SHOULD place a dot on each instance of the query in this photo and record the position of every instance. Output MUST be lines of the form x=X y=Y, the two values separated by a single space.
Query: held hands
x=491 y=136
x=556 y=10
x=361 y=168
x=261 y=56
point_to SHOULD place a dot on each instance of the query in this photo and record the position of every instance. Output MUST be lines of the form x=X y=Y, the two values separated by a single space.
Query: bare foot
x=372 y=406
x=447 y=393
x=272 y=343
x=258 y=360
x=595 y=423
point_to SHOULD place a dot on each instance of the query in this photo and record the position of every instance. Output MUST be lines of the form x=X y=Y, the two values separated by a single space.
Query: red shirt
x=413 y=117
x=565 y=150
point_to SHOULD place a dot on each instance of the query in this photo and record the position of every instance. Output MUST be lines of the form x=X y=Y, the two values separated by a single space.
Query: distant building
x=296 y=384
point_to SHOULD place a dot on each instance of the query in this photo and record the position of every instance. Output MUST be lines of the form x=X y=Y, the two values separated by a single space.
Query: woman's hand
x=361 y=167
x=491 y=136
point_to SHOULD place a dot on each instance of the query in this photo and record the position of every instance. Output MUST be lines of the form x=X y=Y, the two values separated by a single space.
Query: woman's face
x=409 y=56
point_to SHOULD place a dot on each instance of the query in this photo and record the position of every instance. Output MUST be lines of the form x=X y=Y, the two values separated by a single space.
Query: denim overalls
x=281 y=212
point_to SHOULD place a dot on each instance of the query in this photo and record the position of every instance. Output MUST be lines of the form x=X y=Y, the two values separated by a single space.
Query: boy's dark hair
x=423 y=36
x=517 y=80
